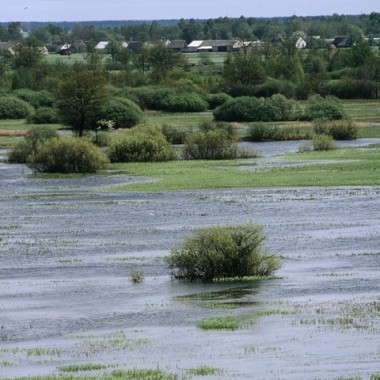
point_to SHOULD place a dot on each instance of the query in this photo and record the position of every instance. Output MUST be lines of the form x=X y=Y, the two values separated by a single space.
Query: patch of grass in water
x=39 y=351
x=81 y=367
x=119 y=341
x=204 y=371
x=245 y=278
x=69 y=261
x=219 y=323
x=7 y=363
x=131 y=374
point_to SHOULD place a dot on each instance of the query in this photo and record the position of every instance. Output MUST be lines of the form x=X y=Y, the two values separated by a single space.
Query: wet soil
x=67 y=248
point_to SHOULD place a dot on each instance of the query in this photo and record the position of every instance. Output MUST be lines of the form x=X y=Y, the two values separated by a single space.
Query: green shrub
x=100 y=138
x=265 y=132
x=14 y=108
x=185 y=102
x=324 y=109
x=26 y=147
x=207 y=126
x=239 y=109
x=43 y=115
x=211 y=145
x=141 y=144
x=20 y=153
x=175 y=135
x=275 y=108
x=220 y=252
x=216 y=100
x=323 y=142
x=338 y=130
x=35 y=98
x=168 y=99
x=68 y=155
x=123 y=112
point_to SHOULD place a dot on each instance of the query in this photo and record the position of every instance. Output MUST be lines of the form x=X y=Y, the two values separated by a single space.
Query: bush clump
x=175 y=135
x=14 y=108
x=249 y=108
x=324 y=109
x=68 y=155
x=216 y=100
x=265 y=132
x=124 y=113
x=141 y=144
x=338 y=129
x=43 y=115
x=35 y=98
x=323 y=142
x=210 y=145
x=222 y=252
x=169 y=99
x=34 y=137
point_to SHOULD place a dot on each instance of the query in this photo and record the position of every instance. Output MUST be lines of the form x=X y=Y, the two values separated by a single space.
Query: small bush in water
x=211 y=145
x=338 y=129
x=25 y=148
x=323 y=142
x=220 y=252
x=68 y=155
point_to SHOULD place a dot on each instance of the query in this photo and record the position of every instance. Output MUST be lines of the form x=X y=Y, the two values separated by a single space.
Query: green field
x=343 y=167
x=365 y=111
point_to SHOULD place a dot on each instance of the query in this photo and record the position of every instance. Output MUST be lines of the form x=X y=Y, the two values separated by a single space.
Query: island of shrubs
x=45 y=151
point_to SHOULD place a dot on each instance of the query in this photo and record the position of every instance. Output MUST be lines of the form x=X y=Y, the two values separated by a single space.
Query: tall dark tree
x=162 y=61
x=81 y=99
x=244 y=68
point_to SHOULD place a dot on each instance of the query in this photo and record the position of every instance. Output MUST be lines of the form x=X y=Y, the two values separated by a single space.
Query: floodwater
x=67 y=248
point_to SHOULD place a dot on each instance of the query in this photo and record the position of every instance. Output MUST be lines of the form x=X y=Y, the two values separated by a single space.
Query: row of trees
x=262 y=71
x=220 y=28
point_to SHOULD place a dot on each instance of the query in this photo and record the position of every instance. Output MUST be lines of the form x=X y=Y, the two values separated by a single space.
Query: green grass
x=342 y=167
x=73 y=58
x=363 y=110
x=219 y=323
x=81 y=367
x=177 y=120
x=132 y=374
x=204 y=371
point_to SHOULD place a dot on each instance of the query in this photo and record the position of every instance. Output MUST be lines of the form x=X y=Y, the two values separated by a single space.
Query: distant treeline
x=247 y=28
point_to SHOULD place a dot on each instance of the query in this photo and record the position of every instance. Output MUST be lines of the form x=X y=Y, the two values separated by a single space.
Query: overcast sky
x=87 y=10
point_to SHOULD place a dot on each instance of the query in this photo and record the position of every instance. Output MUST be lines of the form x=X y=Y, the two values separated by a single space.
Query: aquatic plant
x=222 y=252
x=137 y=275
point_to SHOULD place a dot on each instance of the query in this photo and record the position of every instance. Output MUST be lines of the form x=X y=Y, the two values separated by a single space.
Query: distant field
x=367 y=111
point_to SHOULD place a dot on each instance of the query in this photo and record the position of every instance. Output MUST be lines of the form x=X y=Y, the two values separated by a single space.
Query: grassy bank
x=343 y=167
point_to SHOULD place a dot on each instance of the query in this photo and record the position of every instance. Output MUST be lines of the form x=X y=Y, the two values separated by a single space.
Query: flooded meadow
x=68 y=247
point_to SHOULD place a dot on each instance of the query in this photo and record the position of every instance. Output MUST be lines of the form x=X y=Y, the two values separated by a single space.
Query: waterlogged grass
x=81 y=367
x=132 y=374
x=342 y=167
x=219 y=323
x=204 y=371
x=237 y=322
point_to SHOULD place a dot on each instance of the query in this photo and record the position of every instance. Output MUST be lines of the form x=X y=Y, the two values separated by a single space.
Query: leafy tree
x=360 y=53
x=243 y=68
x=316 y=71
x=81 y=98
x=162 y=61
x=113 y=48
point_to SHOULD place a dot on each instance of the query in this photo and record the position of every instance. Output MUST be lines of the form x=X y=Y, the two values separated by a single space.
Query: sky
x=90 y=10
